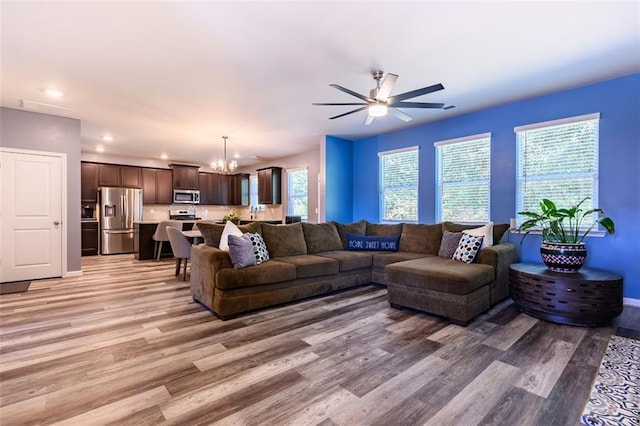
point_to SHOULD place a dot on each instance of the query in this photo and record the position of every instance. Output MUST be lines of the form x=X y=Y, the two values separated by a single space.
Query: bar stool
x=181 y=248
x=161 y=236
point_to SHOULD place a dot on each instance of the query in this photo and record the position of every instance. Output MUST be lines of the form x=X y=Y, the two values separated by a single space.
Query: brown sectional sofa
x=311 y=259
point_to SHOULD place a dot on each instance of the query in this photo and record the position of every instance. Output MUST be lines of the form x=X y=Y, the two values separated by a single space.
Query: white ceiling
x=174 y=77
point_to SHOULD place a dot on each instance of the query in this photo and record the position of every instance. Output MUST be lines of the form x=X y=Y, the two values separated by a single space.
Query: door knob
x=56 y=222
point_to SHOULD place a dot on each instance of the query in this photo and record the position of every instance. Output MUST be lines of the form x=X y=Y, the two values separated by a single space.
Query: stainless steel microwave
x=186 y=196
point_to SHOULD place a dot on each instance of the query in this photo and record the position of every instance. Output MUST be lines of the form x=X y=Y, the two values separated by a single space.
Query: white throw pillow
x=485 y=231
x=230 y=228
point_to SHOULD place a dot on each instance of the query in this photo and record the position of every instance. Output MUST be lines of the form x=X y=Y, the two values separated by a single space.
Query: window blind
x=557 y=160
x=463 y=175
x=399 y=176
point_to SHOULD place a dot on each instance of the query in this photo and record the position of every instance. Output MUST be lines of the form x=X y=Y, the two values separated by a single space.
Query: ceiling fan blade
x=347 y=113
x=352 y=93
x=341 y=104
x=401 y=115
x=417 y=105
x=414 y=93
x=386 y=87
x=368 y=120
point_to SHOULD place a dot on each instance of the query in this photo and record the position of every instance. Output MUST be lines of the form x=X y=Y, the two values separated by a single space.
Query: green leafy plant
x=231 y=216
x=564 y=225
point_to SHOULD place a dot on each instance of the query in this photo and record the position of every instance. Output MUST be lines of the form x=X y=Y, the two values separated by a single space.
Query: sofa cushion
x=383 y=229
x=269 y=272
x=381 y=259
x=349 y=260
x=211 y=232
x=308 y=265
x=498 y=229
x=449 y=244
x=440 y=274
x=421 y=238
x=321 y=237
x=284 y=240
x=356 y=228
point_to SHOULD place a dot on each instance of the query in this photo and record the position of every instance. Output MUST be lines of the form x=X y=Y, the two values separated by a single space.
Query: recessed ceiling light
x=99 y=148
x=236 y=155
x=107 y=138
x=54 y=93
x=164 y=156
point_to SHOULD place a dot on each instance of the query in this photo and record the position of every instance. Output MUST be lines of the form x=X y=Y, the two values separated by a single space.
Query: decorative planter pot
x=562 y=257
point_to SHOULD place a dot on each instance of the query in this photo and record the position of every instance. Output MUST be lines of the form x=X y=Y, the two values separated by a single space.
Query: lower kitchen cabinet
x=89 y=238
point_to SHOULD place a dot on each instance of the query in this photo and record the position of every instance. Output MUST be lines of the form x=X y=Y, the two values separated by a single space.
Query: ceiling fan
x=379 y=101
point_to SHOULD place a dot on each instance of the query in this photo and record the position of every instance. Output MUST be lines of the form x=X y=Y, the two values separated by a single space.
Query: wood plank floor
x=125 y=344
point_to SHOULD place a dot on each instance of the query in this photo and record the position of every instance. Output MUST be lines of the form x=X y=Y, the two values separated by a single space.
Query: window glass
x=463 y=173
x=297 y=193
x=398 y=187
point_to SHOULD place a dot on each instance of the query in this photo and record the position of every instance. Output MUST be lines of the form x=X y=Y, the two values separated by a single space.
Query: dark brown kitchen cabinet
x=206 y=189
x=89 y=182
x=214 y=189
x=185 y=177
x=130 y=177
x=108 y=175
x=270 y=185
x=238 y=185
x=89 y=238
x=157 y=186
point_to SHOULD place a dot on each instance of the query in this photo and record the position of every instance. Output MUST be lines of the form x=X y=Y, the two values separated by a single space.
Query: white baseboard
x=627 y=301
x=79 y=274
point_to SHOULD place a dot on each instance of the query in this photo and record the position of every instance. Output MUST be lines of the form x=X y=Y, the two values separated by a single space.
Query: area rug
x=14 y=287
x=615 y=396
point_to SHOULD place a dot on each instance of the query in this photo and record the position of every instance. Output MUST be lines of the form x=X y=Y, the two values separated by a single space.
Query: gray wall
x=40 y=132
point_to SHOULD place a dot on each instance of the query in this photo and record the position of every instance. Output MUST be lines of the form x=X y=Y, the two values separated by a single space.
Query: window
x=253 y=192
x=297 y=193
x=399 y=185
x=557 y=160
x=463 y=177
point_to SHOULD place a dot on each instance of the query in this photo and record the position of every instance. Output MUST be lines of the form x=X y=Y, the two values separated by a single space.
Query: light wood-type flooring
x=125 y=344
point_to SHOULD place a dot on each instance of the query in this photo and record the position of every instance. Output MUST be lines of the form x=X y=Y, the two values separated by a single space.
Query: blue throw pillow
x=370 y=243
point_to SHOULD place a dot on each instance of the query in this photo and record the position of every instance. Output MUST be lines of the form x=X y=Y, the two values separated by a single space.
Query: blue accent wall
x=339 y=179
x=617 y=101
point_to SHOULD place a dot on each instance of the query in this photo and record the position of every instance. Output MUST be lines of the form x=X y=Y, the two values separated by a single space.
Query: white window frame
x=522 y=177
x=441 y=185
x=290 y=196
x=381 y=187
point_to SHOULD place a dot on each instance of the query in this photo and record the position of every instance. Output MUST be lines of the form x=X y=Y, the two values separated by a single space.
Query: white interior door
x=31 y=218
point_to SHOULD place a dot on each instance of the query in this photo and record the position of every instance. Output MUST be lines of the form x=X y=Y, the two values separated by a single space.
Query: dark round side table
x=590 y=297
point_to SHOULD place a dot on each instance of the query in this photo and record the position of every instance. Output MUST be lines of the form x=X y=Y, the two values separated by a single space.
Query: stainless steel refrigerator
x=119 y=208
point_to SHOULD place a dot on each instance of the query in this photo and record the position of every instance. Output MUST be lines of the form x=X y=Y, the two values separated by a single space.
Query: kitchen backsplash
x=161 y=212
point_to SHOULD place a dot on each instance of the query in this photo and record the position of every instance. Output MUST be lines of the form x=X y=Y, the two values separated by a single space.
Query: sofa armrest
x=500 y=256
x=206 y=261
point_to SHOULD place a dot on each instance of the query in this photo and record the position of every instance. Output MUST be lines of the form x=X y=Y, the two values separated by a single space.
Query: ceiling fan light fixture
x=378 y=109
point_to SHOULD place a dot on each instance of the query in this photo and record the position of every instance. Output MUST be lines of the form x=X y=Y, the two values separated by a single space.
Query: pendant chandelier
x=221 y=164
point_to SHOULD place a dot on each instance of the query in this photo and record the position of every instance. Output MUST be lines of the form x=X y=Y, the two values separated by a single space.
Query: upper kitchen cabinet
x=119 y=176
x=185 y=177
x=89 y=182
x=130 y=177
x=270 y=185
x=238 y=185
x=157 y=186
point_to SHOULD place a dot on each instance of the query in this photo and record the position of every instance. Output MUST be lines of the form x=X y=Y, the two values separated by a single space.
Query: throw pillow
x=241 y=252
x=449 y=244
x=371 y=243
x=260 y=252
x=498 y=229
x=468 y=247
x=485 y=231
x=230 y=228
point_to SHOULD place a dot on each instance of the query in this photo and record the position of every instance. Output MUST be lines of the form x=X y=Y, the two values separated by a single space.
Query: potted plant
x=563 y=248
x=232 y=217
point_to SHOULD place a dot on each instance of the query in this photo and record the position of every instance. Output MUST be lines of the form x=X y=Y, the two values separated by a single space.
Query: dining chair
x=160 y=236
x=181 y=248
